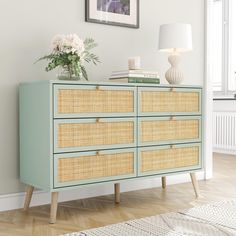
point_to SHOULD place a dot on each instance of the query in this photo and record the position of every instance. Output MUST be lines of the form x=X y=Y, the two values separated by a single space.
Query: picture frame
x=123 y=13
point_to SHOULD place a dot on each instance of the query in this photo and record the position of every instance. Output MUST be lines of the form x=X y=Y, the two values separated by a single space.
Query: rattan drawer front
x=174 y=129
x=89 y=167
x=94 y=101
x=168 y=100
x=92 y=134
x=169 y=159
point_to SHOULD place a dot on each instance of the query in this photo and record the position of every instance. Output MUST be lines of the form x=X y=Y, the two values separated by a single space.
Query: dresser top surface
x=108 y=83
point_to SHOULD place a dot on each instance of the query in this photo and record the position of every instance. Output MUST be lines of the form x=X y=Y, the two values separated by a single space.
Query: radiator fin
x=224 y=131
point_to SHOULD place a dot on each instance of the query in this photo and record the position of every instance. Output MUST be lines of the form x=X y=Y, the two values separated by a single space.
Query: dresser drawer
x=92 y=134
x=167 y=159
x=94 y=101
x=164 y=130
x=89 y=167
x=173 y=101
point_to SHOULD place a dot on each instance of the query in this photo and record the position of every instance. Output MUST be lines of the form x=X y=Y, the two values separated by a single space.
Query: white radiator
x=224 y=132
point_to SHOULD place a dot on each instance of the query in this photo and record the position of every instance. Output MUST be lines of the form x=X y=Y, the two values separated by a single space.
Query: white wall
x=27 y=27
x=220 y=105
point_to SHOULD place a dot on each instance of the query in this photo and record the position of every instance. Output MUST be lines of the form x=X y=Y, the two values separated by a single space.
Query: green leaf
x=84 y=72
x=71 y=60
x=47 y=57
x=89 y=44
x=90 y=57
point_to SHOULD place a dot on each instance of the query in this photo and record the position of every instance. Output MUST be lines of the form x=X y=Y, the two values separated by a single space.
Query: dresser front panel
x=173 y=101
x=94 y=101
x=164 y=130
x=89 y=167
x=92 y=134
x=169 y=159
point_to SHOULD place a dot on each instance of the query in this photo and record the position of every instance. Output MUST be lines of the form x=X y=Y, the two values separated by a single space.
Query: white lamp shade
x=176 y=37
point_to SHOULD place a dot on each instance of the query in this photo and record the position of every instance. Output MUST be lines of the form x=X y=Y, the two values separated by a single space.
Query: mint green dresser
x=74 y=134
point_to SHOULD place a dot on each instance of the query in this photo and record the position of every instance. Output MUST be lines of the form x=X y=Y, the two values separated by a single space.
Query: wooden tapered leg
x=195 y=184
x=117 y=193
x=54 y=203
x=28 y=197
x=163 y=182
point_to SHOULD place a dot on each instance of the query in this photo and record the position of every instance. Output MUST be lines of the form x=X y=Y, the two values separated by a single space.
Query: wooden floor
x=83 y=214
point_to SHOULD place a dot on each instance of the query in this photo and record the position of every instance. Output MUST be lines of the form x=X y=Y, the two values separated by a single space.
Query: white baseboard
x=224 y=151
x=15 y=201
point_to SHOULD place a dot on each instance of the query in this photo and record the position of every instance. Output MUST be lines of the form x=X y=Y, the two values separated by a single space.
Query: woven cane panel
x=90 y=167
x=163 y=130
x=98 y=133
x=164 y=101
x=156 y=160
x=93 y=101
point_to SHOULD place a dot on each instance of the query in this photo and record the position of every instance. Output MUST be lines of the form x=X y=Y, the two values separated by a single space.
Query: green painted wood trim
x=98 y=147
x=103 y=179
x=167 y=89
x=36 y=134
x=41 y=167
x=91 y=115
x=168 y=171
x=174 y=141
x=107 y=82
x=72 y=187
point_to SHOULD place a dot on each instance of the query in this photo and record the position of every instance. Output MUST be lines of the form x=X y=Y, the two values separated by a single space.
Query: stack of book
x=135 y=76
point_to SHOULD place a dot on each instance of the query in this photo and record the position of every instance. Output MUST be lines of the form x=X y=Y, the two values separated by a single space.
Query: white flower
x=82 y=57
x=57 y=42
x=72 y=43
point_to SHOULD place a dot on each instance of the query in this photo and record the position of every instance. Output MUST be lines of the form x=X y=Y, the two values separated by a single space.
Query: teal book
x=136 y=80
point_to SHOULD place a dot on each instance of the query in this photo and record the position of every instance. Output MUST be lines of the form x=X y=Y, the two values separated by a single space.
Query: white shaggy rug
x=218 y=219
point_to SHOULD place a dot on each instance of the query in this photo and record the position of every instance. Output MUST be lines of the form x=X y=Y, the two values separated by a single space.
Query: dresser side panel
x=36 y=135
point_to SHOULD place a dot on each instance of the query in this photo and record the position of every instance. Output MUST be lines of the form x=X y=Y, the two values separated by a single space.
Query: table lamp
x=175 y=39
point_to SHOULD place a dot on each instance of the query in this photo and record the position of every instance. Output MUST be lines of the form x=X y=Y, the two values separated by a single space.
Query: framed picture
x=113 y=12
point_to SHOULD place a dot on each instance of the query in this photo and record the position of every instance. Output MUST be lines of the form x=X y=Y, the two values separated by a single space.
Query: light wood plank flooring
x=100 y=211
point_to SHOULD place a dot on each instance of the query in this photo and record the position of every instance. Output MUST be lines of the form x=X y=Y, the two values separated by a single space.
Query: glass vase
x=65 y=73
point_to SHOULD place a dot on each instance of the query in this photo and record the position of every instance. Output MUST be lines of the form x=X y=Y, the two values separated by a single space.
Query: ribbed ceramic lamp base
x=174 y=75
